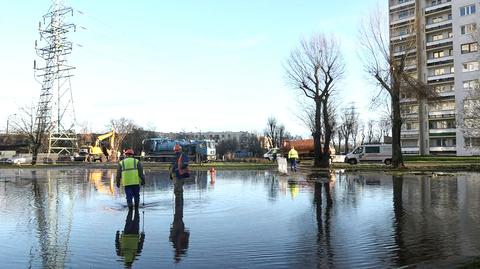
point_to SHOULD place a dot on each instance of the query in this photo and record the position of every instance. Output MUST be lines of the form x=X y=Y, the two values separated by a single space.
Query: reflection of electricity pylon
x=56 y=114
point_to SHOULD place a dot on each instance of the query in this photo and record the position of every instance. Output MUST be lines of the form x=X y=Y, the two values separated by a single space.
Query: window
x=439 y=71
x=375 y=149
x=439 y=54
x=468 y=28
x=467 y=10
x=469 y=47
x=470 y=66
x=437 y=37
x=443 y=88
x=358 y=150
x=471 y=84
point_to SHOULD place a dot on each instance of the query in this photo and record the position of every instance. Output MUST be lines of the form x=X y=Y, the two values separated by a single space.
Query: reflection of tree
x=325 y=251
x=398 y=216
x=179 y=235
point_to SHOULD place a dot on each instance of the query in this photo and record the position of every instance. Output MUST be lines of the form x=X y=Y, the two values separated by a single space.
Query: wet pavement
x=77 y=218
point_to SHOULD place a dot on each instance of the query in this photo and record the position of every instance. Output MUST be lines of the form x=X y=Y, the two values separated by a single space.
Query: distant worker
x=293 y=156
x=129 y=243
x=179 y=168
x=130 y=174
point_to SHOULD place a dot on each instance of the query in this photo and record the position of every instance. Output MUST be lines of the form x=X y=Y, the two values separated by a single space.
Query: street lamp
x=8 y=120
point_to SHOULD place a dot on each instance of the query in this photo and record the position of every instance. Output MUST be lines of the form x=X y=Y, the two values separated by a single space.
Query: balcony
x=440 y=77
x=437 y=43
x=409 y=133
x=410 y=150
x=439 y=24
x=401 y=37
x=441 y=114
x=442 y=59
x=397 y=5
x=442 y=132
x=453 y=148
x=438 y=5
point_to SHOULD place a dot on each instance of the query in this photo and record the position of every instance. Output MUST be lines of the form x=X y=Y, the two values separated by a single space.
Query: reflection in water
x=129 y=243
x=324 y=248
x=179 y=235
x=359 y=220
x=102 y=180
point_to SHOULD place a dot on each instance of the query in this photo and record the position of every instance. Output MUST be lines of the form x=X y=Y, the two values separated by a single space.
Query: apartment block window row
x=405 y=13
x=409 y=109
x=442 y=71
x=443 y=88
x=471 y=84
x=469 y=47
x=440 y=36
x=410 y=126
x=438 y=2
x=439 y=18
x=440 y=106
x=472 y=141
x=471 y=66
x=443 y=142
x=442 y=124
x=468 y=28
x=467 y=10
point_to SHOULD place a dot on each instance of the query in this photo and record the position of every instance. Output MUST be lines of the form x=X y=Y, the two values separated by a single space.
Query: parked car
x=272 y=154
x=370 y=153
x=17 y=160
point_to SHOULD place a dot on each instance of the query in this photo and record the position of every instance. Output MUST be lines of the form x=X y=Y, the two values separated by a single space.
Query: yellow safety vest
x=130 y=172
x=293 y=154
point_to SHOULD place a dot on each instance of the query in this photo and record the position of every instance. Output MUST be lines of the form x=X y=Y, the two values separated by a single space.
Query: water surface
x=76 y=218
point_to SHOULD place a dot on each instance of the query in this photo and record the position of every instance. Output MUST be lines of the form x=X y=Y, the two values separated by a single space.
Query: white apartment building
x=447 y=58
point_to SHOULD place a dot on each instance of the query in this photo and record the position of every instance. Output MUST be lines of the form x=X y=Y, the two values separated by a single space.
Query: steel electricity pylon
x=55 y=113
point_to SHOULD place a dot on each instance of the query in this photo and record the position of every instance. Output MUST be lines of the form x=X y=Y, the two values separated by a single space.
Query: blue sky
x=182 y=65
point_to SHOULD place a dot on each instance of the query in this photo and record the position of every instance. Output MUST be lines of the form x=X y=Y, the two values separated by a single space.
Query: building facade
x=445 y=55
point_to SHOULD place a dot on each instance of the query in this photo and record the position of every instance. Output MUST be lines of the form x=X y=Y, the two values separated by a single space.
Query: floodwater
x=76 y=218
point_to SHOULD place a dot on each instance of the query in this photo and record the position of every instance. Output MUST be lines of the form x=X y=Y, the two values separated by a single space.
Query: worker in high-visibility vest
x=130 y=175
x=293 y=156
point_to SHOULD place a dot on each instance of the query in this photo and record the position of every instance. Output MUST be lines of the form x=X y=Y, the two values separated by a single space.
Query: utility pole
x=55 y=113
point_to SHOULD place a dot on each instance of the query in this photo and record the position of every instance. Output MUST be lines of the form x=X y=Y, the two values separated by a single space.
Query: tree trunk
x=397 y=158
x=328 y=135
x=317 y=135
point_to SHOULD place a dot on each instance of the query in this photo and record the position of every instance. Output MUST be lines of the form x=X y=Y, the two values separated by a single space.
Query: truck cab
x=370 y=153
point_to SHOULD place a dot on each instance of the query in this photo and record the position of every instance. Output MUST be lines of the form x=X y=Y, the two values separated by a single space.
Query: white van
x=370 y=153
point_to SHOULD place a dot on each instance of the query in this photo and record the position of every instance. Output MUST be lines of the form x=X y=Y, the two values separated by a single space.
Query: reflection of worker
x=179 y=236
x=179 y=168
x=294 y=189
x=130 y=172
x=293 y=156
x=129 y=244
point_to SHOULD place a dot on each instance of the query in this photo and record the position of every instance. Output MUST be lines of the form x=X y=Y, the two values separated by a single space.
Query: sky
x=212 y=65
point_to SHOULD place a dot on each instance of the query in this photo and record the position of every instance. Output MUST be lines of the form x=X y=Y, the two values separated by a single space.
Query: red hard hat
x=177 y=148
x=129 y=152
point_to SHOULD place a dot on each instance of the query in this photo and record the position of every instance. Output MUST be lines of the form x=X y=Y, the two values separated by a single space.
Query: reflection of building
x=444 y=55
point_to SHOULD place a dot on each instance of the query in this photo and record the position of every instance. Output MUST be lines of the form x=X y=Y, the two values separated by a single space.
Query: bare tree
x=349 y=126
x=370 y=131
x=314 y=68
x=389 y=70
x=25 y=123
x=271 y=132
x=122 y=128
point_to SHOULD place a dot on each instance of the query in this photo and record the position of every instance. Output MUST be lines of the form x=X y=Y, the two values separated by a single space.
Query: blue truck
x=161 y=150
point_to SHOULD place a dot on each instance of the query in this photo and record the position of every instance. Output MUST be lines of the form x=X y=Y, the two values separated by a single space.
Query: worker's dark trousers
x=132 y=192
x=293 y=164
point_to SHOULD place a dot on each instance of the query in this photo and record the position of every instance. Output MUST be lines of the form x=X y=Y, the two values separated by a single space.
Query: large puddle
x=77 y=218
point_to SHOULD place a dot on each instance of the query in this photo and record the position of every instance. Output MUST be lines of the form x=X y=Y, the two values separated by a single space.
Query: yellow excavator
x=99 y=151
